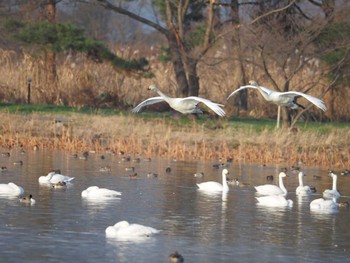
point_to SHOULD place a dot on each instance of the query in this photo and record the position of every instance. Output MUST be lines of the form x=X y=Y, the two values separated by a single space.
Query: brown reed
x=156 y=137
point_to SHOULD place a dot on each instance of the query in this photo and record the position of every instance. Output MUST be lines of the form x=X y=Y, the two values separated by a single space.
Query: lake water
x=63 y=227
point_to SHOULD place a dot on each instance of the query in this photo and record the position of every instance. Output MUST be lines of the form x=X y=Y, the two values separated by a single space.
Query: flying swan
x=270 y=189
x=332 y=193
x=286 y=99
x=186 y=105
x=212 y=186
x=302 y=189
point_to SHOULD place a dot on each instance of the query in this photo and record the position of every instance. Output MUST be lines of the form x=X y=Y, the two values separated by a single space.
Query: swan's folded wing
x=215 y=107
x=147 y=102
x=316 y=101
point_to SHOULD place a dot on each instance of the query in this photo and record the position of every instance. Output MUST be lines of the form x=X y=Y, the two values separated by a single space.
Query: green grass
x=180 y=120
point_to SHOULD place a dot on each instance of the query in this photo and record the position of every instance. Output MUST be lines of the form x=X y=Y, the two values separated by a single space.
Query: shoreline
x=159 y=137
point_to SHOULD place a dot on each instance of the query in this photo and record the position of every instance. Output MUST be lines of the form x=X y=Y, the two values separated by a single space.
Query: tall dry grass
x=82 y=82
x=157 y=137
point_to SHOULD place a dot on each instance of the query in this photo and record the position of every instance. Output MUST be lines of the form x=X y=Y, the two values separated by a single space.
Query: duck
x=286 y=99
x=321 y=204
x=106 y=168
x=95 y=192
x=152 y=175
x=274 y=201
x=168 y=170
x=269 y=178
x=330 y=193
x=53 y=178
x=176 y=258
x=130 y=169
x=344 y=204
x=60 y=184
x=270 y=189
x=3 y=169
x=188 y=105
x=215 y=186
x=124 y=229
x=18 y=163
x=302 y=189
x=11 y=189
x=27 y=200
x=199 y=174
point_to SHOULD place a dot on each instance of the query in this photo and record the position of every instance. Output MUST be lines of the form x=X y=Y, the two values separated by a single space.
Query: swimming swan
x=11 y=189
x=287 y=99
x=270 y=189
x=27 y=200
x=184 y=105
x=302 y=189
x=328 y=194
x=54 y=178
x=95 y=192
x=324 y=204
x=215 y=186
x=274 y=201
x=123 y=229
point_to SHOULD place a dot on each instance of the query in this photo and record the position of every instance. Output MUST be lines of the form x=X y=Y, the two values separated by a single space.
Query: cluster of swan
x=273 y=195
x=189 y=105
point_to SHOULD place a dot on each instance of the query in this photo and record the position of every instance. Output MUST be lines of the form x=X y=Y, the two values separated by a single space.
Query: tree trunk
x=193 y=79
x=179 y=70
x=50 y=59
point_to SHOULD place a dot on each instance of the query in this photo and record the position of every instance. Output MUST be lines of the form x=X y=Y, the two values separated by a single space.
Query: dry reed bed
x=156 y=137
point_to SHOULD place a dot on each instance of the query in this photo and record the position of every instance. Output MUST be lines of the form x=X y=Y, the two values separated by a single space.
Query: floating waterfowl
x=125 y=230
x=270 y=189
x=302 y=189
x=11 y=189
x=215 y=186
x=27 y=200
x=95 y=192
x=332 y=193
x=53 y=178
x=274 y=201
x=176 y=258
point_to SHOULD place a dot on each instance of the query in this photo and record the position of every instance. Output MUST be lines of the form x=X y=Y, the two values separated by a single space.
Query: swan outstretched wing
x=215 y=107
x=316 y=101
x=147 y=102
x=266 y=90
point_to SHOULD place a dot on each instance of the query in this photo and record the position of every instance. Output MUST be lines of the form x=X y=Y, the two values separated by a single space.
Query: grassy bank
x=155 y=134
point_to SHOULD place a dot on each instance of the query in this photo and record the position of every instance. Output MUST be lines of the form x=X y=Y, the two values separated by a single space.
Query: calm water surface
x=62 y=227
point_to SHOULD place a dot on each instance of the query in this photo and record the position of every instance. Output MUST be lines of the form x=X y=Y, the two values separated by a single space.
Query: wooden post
x=28 y=91
x=278 y=117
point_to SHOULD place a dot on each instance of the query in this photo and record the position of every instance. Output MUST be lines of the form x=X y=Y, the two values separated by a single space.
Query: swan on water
x=95 y=192
x=330 y=193
x=54 y=178
x=186 y=105
x=27 y=200
x=274 y=201
x=302 y=189
x=270 y=189
x=322 y=204
x=286 y=99
x=11 y=189
x=212 y=186
x=123 y=229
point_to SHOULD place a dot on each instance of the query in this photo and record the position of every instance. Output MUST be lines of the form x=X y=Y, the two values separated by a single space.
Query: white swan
x=330 y=193
x=215 y=186
x=184 y=105
x=11 y=189
x=124 y=230
x=321 y=204
x=274 y=201
x=54 y=178
x=94 y=192
x=302 y=189
x=28 y=200
x=270 y=189
x=287 y=99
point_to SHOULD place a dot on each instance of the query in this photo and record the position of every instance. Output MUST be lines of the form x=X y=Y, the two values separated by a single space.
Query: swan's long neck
x=334 y=187
x=281 y=185
x=224 y=182
x=263 y=93
x=160 y=93
x=301 y=180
